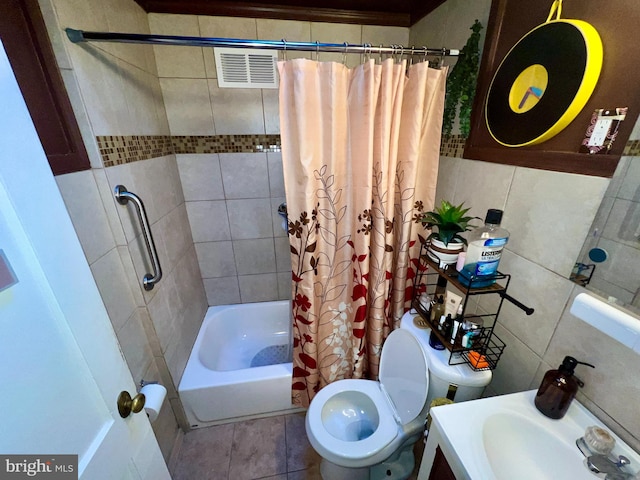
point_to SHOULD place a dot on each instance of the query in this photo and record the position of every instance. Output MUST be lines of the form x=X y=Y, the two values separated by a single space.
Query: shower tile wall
x=548 y=215
x=114 y=90
x=232 y=198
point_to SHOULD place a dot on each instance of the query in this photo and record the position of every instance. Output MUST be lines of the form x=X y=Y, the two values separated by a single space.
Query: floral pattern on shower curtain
x=360 y=151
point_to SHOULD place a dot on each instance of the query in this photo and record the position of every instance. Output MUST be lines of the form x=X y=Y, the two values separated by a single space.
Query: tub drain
x=272 y=355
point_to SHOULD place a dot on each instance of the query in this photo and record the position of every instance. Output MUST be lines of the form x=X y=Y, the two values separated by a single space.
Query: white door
x=61 y=369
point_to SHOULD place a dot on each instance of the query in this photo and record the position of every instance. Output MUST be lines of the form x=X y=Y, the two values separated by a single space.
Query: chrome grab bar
x=123 y=196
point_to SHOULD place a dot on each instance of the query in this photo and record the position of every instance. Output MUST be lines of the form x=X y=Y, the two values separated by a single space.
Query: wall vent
x=246 y=68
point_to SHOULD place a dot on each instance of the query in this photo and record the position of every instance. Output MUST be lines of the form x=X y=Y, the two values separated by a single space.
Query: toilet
x=366 y=429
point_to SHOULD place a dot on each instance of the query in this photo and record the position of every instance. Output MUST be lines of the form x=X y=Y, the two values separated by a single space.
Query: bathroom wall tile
x=635 y=133
x=140 y=89
x=183 y=62
x=290 y=30
x=187 y=105
x=217 y=442
x=133 y=281
x=259 y=449
x=254 y=256
x=432 y=30
x=300 y=453
x=516 y=367
x=619 y=177
x=612 y=360
x=250 y=218
x=109 y=204
x=208 y=220
x=541 y=202
x=139 y=256
x=121 y=175
x=83 y=201
x=201 y=177
x=447 y=179
x=277 y=220
x=537 y=329
x=490 y=187
x=337 y=33
x=127 y=16
x=57 y=37
x=621 y=267
x=258 y=288
x=222 y=291
x=166 y=429
x=162 y=318
x=135 y=347
x=276 y=175
x=109 y=275
x=271 y=107
x=224 y=27
x=623 y=223
x=91 y=14
x=284 y=285
x=176 y=235
x=80 y=112
x=376 y=35
x=245 y=175
x=216 y=259
x=283 y=254
x=236 y=110
x=154 y=345
x=177 y=355
x=99 y=76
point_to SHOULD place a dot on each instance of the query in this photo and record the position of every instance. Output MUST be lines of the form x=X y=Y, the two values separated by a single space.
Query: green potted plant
x=446 y=223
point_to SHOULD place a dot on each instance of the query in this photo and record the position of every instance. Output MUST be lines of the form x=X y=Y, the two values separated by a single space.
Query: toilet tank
x=456 y=382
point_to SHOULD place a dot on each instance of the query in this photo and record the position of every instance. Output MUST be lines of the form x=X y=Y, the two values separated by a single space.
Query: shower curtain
x=360 y=150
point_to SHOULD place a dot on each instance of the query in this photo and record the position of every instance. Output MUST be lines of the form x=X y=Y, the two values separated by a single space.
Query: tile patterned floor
x=274 y=448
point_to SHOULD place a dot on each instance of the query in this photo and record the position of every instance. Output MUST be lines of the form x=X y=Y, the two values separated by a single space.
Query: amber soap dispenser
x=558 y=388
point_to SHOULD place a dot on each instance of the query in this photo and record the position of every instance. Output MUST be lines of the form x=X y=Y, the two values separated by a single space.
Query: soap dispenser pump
x=558 y=388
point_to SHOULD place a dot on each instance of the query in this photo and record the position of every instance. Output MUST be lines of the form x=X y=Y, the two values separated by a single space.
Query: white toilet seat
x=358 y=453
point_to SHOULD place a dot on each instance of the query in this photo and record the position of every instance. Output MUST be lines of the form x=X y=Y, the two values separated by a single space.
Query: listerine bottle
x=484 y=250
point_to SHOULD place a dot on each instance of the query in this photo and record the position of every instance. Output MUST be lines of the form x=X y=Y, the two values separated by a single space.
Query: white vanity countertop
x=506 y=437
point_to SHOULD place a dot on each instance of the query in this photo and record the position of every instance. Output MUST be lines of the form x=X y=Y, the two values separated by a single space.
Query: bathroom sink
x=506 y=437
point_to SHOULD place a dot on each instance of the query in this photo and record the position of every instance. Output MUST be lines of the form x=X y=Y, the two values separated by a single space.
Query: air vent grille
x=246 y=68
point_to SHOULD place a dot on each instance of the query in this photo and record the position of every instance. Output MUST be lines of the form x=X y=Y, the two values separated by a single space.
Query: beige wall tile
x=209 y=221
x=188 y=106
x=254 y=256
x=83 y=201
x=109 y=204
x=380 y=35
x=180 y=62
x=276 y=176
x=250 y=218
x=271 y=106
x=201 y=177
x=630 y=186
x=222 y=291
x=284 y=286
x=135 y=346
x=127 y=16
x=448 y=174
x=283 y=254
x=337 y=33
x=549 y=214
x=622 y=265
x=534 y=330
x=258 y=288
x=236 y=110
x=245 y=175
x=224 y=27
x=216 y=259
x=293 y=31
x=623 y=223
x=110 y=277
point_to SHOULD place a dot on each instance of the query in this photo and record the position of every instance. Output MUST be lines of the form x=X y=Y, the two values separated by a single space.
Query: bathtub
x=239 y=367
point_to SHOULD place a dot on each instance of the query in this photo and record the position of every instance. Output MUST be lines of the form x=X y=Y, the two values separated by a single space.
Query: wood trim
x=614 y=89
x=284 y=12
x=25 y=39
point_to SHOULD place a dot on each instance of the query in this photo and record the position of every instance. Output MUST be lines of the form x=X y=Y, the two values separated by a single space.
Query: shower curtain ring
x=344 y=54
x=426 y=53
x=401 y=52
x=284 y=52
x=380 y=52
x=317 y=50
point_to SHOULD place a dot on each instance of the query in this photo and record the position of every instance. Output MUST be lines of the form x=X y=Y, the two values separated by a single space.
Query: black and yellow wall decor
x=540 y=82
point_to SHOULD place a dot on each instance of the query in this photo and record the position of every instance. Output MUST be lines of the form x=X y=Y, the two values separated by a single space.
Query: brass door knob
x=126 y=404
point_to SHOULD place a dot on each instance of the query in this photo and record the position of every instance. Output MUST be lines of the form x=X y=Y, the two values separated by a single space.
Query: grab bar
x=123 y=196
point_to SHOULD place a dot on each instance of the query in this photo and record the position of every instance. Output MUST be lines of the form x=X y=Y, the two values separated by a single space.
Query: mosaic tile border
x=452 y=146
x=227 y=144
x=118 y=150
x=121 y=149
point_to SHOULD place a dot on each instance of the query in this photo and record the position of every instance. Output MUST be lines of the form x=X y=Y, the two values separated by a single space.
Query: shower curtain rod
x=78 y=36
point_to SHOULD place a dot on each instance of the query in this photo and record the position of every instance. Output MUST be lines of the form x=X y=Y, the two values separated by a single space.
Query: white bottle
x=484 y=250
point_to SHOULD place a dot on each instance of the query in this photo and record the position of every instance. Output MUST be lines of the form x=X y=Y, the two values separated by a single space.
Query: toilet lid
x=404 y=374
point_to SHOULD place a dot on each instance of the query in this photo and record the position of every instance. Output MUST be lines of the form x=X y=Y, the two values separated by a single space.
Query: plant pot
x=443 y=254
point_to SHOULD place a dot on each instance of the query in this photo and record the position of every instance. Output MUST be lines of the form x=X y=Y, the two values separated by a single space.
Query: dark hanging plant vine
x=461 y=84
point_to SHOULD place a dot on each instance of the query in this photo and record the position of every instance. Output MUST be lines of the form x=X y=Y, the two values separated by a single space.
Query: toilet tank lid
x=404 y=374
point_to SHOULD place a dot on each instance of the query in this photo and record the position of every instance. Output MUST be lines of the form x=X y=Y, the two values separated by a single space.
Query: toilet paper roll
x=154 y=395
